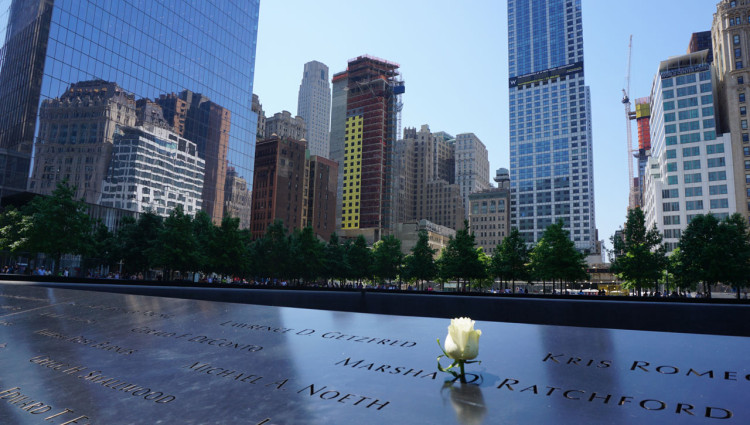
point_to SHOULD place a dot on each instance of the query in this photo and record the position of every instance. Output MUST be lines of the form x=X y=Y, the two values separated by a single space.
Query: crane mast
x=632 y=195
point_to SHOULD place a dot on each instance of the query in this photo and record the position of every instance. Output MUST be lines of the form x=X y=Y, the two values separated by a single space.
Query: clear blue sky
x=453 y=57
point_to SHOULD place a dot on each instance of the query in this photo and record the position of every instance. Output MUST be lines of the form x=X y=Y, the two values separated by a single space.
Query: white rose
x=462 y=342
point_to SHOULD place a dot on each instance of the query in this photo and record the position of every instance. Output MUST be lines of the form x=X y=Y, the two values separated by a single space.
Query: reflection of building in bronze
x=151 y=168
x=581 y=368
x=237 y=198
x=468 y=403
x=195 y=117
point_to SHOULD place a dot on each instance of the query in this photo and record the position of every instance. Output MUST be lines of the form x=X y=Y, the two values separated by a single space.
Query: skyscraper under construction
x=364 y=147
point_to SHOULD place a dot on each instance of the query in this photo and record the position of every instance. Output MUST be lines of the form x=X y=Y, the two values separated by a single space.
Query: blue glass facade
x=200 y=51
x=550 y=121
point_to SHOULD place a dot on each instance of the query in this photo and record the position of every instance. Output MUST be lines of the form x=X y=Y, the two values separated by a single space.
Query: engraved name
x=14 y=397
x=96 y=377
x=68 y=317
x=386 y=368
x=200 y=339
x=582 y=395
x=325 y=393
x=147 y=313
x=80 y=339
x=330 y=335
x=640 y=366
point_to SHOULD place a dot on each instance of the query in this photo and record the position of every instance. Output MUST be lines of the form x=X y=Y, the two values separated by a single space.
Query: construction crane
x=629 y=115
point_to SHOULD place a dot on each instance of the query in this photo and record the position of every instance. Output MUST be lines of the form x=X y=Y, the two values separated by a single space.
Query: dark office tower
x=320 y=196
x=551 y=156
x=279 y=184
x=370 y=132
x=76 y=134
x=701 y=41
x=147 y=48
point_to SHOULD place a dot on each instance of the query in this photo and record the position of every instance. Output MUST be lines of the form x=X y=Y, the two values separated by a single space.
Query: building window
x=743 y=124
x=737 y=53
x=743 y=110
x=745 y=137
x=740 y=80
x=742 y=97
x=736 y=39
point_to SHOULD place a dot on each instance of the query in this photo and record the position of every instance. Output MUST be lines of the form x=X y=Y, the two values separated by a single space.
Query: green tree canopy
x=359 y=258
x=420 y=264
x=387 y=258
x=138 y=242
x=178 y=248
x=59 y=225
x=334 y=260
x=510 y=259
x=229 y=253
x=641 y=255
x=555 y=257
x=307 y=254
x=713 y=251
x=734 y=239
x=460 y=261
x=701 y=252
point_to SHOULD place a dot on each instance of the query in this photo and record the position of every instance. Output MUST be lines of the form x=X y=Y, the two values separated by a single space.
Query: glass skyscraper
x=550 y=121
x=186 y=66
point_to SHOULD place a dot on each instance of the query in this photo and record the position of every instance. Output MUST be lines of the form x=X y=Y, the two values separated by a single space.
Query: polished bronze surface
x=70 y=356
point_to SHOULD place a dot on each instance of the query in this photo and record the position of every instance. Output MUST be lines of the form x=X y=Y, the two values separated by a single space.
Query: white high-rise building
x=472 y=166
x=314 y=106
x=690 y=170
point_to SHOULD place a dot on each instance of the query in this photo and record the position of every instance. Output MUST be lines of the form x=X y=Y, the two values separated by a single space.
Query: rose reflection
x=467 y=401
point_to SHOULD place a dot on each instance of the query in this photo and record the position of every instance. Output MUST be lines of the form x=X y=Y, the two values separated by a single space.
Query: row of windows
x=697 y=178
x=693 y=191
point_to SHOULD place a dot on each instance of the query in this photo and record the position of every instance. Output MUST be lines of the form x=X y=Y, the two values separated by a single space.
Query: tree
x=641 y=255
x=178 y=248
x=205 y=238
x=510 y=259
x=420 y=265
x=138 y=242
x=103 y=250
x=277 y=253
x=229 y=249
x=359 y=258
x=387 y=258
x=733 y=238
x=59 y=225
x=701 y=252
x=555 y=257
x=13 y=229
x=335 y=265
x=459 y=260
x=307 y=254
